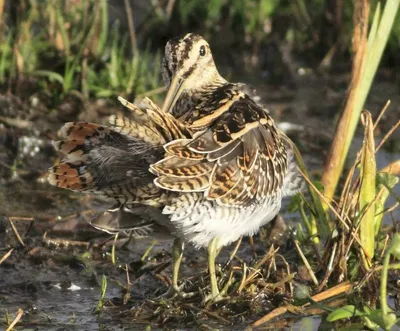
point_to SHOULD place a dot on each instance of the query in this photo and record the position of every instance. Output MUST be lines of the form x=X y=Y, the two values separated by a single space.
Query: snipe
x=211 y=165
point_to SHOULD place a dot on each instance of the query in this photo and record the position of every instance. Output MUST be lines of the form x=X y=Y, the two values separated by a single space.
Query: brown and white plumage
x=247 y=163
x=212 y=163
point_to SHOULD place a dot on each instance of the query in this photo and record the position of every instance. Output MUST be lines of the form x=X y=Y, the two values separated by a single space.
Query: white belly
x=201 y=220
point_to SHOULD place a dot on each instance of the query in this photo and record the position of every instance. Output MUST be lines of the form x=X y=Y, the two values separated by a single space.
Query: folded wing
x=240 y=158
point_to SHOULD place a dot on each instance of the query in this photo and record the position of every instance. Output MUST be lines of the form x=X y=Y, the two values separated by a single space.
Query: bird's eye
x=202 y=50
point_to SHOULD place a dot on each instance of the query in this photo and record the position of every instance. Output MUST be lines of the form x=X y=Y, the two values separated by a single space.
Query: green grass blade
x=100 y=304
x=104 y=28
x=376 y=44
x=344 y=312
x=61 y=26
x=50 y=75
x=319 y=217
x=374 y=26
x=5 y=56
x=385 y=182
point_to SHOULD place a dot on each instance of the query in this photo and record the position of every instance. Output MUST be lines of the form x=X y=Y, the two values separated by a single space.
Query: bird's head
x=188 y=65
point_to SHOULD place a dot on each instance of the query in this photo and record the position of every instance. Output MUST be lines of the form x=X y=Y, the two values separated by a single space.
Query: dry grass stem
x=169 y=9
x=5 y=256
x=15 y=231
x=64 y=242
x=383 y=110
x=233 y=253
x=156 y=91
x=390 y=209
x=2 y=4
x=344 y=198
x=288 y=272
x=271 y=252
x=287 y=279
x=244 y=277
x=393 y=168
x=349 y=118
x=16 y=319
x=387 y=135
x=132 y=32
x=324 y=199
x=17 y=123
x=16 y=218
x=128 y=287
x=305 y=261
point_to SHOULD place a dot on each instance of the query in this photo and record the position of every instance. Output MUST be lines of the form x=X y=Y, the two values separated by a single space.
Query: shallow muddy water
x=56 y=277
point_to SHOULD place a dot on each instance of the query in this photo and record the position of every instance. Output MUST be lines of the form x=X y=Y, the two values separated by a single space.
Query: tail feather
x=82 y=130
x=101 y=158
x=72 y=176
x=115 y=160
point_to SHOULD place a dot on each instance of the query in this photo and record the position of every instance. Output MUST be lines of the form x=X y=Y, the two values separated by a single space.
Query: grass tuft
x=75 y=47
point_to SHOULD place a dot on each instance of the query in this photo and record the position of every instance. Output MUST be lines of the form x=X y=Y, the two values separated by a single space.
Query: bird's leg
x=177 y=254
x=212 y=254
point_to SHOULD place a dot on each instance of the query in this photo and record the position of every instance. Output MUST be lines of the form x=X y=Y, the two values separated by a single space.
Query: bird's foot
x=211 y=299
x=216 y=296
x=176 y=292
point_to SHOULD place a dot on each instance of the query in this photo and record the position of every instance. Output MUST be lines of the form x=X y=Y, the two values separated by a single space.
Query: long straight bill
x=174 y=91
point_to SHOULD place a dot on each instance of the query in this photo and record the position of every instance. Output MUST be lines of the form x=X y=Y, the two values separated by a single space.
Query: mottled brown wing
x=239 y=159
